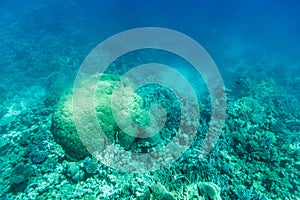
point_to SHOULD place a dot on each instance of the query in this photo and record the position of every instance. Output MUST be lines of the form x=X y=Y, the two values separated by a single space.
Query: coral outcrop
x=63 y=126
x=130 y=117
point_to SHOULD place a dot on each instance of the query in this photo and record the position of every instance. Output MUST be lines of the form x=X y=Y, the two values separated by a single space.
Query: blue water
x=44 y=42
x=36 y=33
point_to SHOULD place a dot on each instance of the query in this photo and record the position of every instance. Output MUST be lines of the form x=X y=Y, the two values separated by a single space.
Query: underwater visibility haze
x=145 y=100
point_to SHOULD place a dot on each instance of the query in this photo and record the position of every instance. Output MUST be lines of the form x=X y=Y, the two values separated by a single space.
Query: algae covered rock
x=129 y=117
x=74 y=172
x=210 y=190
x=157 y=191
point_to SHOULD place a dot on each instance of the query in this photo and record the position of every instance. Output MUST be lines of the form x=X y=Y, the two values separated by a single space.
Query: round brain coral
x=64 y=129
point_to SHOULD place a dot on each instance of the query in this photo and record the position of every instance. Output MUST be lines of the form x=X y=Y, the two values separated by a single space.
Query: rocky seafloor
x=256 y=157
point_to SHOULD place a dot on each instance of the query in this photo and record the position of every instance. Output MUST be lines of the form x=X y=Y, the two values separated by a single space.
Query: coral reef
x=42 y=45
x=256 y=157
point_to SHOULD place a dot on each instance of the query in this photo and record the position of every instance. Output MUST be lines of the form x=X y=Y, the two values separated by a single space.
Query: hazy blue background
x=43 y=42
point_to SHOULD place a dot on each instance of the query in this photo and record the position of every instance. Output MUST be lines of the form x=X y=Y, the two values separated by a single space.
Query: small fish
x=183 y=190
x=238 y=82
x=199 y=192
x=150 y=190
